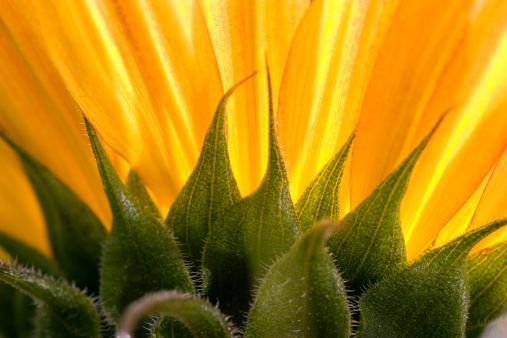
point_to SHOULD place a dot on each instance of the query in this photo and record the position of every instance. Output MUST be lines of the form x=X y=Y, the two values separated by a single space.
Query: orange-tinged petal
x=144 y=74
x=325 y=78
x=419 y=46
x=460 y=222
x=445 y=177
x=493 y=204
x=245 y=34
x=20 y=215
x=38 y=113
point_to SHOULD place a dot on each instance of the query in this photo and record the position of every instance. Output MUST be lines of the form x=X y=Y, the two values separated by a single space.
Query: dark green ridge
x=250 y=235
x=140 y=256
x=429 y=298
x=200 y=317
x=75 y=232
x=370 y=243
x=64 y=311
x=302 y=293
x=487 y=275
x=210 y=189
x=321 y=200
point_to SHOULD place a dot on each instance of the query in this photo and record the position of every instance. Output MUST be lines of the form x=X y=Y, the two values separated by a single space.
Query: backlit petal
x=245 y=33
x=418 y=48
x=493 y=204
x=325 y=79
x=20 y=215
x=144 y=74
x=446 y=176
x=38 y=113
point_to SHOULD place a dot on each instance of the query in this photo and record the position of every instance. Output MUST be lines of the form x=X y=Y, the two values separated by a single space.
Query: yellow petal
x=38 y=113
x=244 y=34
x=460 y=222
x=413 y=59
x=445 y=177
x=493 y=204
x=325 y=78
x=20 y=215
x=144 y=74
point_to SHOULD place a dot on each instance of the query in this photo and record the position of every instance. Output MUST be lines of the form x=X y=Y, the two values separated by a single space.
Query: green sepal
x=18 y=309
x=169 y=327
x=487 y=275
x=370 y=243
x=210 y=189
x=302 y=293
x=27 y=256
x=200 y=317
x=63 y=310
x=75 y=232
x=321 y=200
x=429 y=298
x=140 y=256
x=250 y=236
x=138 y=191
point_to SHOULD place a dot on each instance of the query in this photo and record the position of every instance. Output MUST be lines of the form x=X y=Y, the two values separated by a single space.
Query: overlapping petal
x=324 y=82
x=246 y=35
x=20 y=214
x=37 y=112
x=144 y=74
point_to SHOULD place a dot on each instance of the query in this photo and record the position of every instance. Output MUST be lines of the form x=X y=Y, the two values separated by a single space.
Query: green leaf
x=210 y=189
x=26 y=255
x=64 y=311
x=137 y=190
x=249 y=236
x=320 y=200
x=429 y=298
x=370 y=242
x=487 y=275
x=75 y=233
x=201 y=318
x=140 y=256
x=302 y=294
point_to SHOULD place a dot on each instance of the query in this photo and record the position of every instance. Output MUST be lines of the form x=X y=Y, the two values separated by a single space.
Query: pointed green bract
x=137 y=190
x=370 y=243
x=249 y=236
x=302 y=294
x=64 y=311
x=201 y=318
x=75 y=233
x=487 y=275
x=429 y=298
x=320 y=200
x=210 y=189
x=140 y=256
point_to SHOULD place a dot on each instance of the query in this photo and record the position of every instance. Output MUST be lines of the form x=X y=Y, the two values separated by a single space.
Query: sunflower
x=344 y=160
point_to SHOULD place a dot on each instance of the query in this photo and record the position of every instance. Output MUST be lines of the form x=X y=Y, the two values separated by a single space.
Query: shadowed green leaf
x=210 y=189
x=63 y=311
x=302 y=294
x=26 y=255
x=249 y=236
x=429 y=298
x=320 y=200
x=140 y=256
x=137 y=190
x=201 y=318
x=370 y=243
x=487 y=275
x=75 y=233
